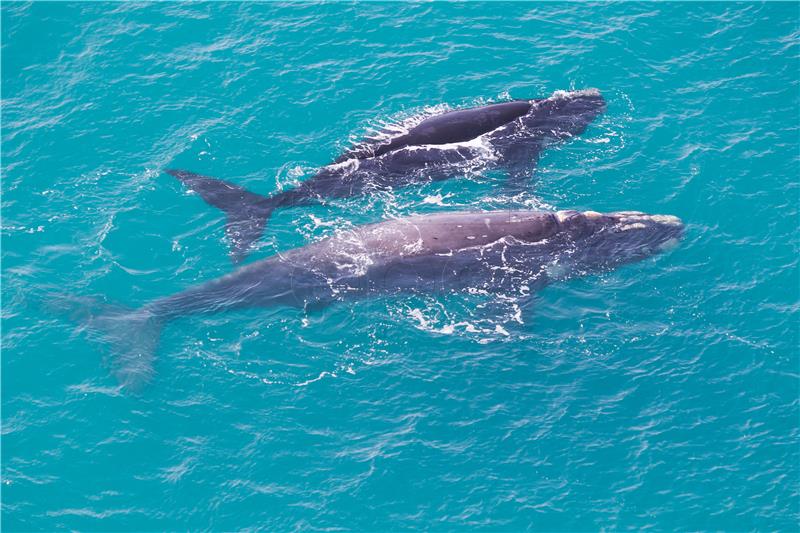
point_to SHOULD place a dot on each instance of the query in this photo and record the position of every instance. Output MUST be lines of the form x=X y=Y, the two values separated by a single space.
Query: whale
x=509 y=253
x=507 y=135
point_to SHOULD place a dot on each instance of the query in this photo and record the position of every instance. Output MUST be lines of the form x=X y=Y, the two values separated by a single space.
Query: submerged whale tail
x=133 y=335
x=247 y=212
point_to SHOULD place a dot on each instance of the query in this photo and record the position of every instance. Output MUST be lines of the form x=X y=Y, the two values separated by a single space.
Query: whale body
x=505 y=252
x=507 y=135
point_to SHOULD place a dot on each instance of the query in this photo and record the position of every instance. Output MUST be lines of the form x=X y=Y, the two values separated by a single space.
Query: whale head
x=566 y=113
x=602 y=241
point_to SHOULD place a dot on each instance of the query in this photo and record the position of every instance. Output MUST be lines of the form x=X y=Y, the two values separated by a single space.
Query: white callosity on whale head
x=638 y=216
x=561 y=216
x=672 y=220
x=635 y=220
x=571 y=94
x=634 y=225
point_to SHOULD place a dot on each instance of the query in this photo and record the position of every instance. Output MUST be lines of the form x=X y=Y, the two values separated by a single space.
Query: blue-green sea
x=664 y=395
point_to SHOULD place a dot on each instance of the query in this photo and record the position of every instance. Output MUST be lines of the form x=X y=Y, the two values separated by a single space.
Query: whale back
x=451 y=232
x=456 y=126
x=428 y=235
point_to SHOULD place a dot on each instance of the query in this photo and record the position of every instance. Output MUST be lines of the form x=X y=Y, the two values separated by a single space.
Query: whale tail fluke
x=132 y=334
x=247 y=212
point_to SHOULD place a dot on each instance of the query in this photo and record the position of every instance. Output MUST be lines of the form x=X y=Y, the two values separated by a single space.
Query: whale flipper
x=247 y=212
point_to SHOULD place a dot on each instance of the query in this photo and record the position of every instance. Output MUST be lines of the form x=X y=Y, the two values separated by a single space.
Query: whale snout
x=587 y=102
x=658 y=232
x=604 y=240
x=571 y=112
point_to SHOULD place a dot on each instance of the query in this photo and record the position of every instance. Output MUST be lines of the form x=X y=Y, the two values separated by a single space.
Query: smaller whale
x=507 y=135
x=496 y=252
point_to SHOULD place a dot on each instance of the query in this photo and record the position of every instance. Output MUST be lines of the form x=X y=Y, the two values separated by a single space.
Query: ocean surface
x=663 y=395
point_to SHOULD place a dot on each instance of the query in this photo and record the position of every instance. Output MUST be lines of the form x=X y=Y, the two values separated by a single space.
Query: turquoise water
x=663 y=395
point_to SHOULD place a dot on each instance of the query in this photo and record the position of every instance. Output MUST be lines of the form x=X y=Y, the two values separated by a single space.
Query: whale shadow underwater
x=508 y=135
x=498 y=252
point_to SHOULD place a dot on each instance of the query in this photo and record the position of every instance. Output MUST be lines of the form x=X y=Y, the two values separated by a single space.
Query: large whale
x=507 y=252
x=508 y=135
